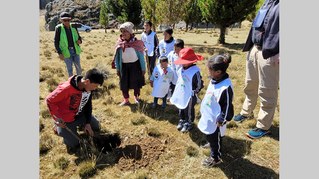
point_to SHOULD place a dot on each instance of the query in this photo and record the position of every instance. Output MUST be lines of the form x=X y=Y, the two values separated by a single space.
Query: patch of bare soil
x=138 y=153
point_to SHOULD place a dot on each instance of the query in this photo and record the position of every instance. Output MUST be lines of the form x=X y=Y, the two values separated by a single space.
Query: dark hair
x=163 y=59
x=179 y=43
x=219 y=62
x=95 y=76
x=169 y=31
x=149 y=23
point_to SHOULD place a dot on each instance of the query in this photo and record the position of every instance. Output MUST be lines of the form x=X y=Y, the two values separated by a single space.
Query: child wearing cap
x=216 y=107
x=166 y=45
x=188 y=85
x=160 y=80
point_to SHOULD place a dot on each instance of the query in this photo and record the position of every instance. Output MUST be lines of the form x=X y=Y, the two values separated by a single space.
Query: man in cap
x=67 y=42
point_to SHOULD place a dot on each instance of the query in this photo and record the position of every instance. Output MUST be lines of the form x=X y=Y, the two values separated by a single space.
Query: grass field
x=151 y=146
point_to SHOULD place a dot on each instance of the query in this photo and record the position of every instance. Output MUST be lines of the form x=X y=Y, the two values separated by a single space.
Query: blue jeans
x=74 y=59
x=68 y=138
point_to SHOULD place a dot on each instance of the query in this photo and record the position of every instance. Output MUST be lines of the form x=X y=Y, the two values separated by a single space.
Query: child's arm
x=197 y=82
x=226 y=105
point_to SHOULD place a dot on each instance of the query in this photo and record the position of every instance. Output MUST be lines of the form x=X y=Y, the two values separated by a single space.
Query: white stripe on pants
x=262 y=79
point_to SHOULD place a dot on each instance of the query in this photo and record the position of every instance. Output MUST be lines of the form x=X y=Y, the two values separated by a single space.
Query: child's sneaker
x=136 y=100
x=205 y=146
x=187 y=127
x=257 y=133
x=210 y=162
x=180 y=124
x=124 y=102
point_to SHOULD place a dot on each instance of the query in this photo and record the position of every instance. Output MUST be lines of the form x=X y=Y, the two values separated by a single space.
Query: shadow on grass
x=274 y=132
x=216 y=49
x=236 y=166
x=111 y=158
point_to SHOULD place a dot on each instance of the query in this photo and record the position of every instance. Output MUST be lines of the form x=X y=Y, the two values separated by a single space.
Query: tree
x=169 y=11
x=126 y=10
x=149 y=11
x=252 y=15
x=104 y=17
x=191 y=13
x=223 y=13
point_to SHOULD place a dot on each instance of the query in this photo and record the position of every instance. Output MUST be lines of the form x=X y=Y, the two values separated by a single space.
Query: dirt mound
x=138 y=153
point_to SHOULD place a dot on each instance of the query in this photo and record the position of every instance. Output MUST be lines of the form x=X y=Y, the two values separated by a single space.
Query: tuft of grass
x=153 y=132
x=45 y=113
x=47 y=53
x=41 y=126
x=231 y=124
x=46 y=143
x=89 y=57
x=139 y=121
x=206 y=152
x=52 y=84
x=61 y=163
x=191 y=151
x=205 y=42
x=87 y=169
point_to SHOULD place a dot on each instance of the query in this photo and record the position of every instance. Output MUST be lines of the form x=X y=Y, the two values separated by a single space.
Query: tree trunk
x=186 y=29
x=221 y=39
x=105 y=29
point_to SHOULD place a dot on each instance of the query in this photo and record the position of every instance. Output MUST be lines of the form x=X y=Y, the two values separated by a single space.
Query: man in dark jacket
x=67 y=42
x=70 y=105
x=262 y=68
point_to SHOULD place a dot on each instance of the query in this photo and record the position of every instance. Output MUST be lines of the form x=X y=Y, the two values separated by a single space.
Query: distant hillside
x=83 y=11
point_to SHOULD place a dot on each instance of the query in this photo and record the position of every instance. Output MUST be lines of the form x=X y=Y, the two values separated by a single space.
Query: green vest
x=64 y=41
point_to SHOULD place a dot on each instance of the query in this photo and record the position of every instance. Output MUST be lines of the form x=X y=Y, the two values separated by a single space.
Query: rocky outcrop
x=82 y=11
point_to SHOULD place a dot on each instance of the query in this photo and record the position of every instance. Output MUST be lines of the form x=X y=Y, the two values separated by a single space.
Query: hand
x=151 y=83
x=118 y=73
x=79 y=42
x=88 y=129
x=219 y=124
x=60 y=123
x=61 y=56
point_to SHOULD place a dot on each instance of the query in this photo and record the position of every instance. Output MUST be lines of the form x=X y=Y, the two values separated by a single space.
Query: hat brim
x=182 y=61
x=65 y=18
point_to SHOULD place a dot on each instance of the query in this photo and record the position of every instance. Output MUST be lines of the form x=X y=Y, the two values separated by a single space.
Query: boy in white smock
x=160 y=80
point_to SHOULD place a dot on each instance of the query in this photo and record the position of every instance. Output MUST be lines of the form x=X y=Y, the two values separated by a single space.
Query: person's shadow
x=235 y=165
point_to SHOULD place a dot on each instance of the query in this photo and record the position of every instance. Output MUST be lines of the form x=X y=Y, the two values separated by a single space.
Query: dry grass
x=172 y=157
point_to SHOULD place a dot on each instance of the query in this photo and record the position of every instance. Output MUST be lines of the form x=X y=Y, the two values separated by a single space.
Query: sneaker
x=125 y=102
x=187 y=127
x=257 y=133
x=180 y=124
x=205 y=146
x=210 y=162
x=136 y=100
x=154 y=105
x=73 y=150
x=241 y=118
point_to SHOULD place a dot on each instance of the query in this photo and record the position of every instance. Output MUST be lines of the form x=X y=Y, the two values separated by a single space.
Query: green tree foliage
x=126 y=10
x=224 y=13
x=191 y=13
x=169 y=11
x=149 y=11
x=104 y=18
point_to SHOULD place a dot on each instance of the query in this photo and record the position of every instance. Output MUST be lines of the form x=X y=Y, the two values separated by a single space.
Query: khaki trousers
x=262 y=79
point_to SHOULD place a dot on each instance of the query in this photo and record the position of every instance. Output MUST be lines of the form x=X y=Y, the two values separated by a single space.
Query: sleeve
x=141 y=59
x=57 y=40
x=88 y=110
x=155 y=42
x=226 y=105
x=197 y=82
x=76 y=26
x=53 y=99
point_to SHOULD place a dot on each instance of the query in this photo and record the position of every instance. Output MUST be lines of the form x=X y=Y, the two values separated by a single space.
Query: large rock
x=83 y=11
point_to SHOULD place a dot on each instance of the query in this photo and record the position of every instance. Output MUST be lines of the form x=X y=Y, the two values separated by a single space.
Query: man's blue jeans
x=74 y=59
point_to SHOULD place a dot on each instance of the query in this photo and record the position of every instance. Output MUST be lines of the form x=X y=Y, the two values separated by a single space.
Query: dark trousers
x=188 y=114
x=151 y=62
x=215 y=142
x=68 y=138
x=126 y=95
x=164 y=100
